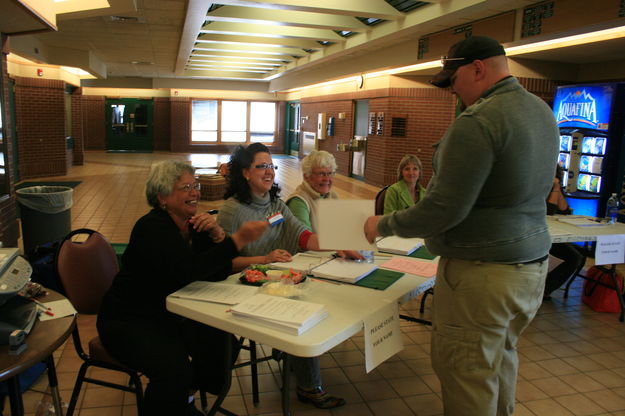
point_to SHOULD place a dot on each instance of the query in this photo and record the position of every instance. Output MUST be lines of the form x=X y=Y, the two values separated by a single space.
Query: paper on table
x=580 y=221
x=398 y=245
x=60 y=309
x=340 y=224
x=288 y=315
x=302 y=262
x=411 y=266
x=344 y=270
x=216 y=292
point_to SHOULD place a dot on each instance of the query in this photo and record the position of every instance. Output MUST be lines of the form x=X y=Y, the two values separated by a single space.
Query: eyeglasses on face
x=445 y=59
x=266 y=166
x=187 y=187
x=325 y=174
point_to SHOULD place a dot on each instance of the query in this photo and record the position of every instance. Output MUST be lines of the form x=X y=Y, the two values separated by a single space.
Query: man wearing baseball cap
x=484 y=215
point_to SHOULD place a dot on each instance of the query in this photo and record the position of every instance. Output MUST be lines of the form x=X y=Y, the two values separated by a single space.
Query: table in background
x=44 y=338
x=562 y=232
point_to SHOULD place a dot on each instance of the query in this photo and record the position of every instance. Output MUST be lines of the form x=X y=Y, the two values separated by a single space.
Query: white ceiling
x=273 y=43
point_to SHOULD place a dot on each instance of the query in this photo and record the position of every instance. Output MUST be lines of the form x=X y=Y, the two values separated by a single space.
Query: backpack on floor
x=598 y=297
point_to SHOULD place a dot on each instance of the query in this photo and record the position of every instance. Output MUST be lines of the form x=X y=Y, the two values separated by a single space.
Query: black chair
x=86 y=270
x=379 y=201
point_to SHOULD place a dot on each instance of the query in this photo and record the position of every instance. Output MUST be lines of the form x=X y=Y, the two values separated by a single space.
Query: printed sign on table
x=610 y=249
x=382 y=336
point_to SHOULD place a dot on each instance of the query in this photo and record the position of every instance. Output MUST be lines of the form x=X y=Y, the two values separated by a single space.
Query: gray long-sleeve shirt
x=493 y=170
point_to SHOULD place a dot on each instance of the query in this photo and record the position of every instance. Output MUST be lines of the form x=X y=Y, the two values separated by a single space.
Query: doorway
x=361 y=124
x=293 y=133
x=129 y=125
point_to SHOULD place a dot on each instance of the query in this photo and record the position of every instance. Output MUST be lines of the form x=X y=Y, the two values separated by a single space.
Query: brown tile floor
x=572 y=359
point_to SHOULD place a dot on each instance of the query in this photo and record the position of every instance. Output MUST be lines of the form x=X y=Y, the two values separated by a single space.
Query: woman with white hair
x=407 y=191
x=318 y=169
x=170 y=247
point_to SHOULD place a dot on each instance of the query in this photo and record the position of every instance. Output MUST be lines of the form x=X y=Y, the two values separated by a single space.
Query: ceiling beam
x=271 y=31
x=361 y=8
x=286 y=18
x=258 y=40
x=224 y=74
x=240 y=55
x=196 y=10
x=249 y=49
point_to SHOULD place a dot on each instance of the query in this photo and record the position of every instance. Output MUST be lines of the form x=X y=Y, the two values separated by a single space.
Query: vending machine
x=591 y=119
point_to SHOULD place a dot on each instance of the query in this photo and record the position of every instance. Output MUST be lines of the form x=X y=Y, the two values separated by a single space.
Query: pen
x=43 y=305
x=46 y=310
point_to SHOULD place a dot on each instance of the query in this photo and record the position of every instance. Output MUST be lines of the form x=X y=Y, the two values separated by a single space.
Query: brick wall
x=93 y=122
x=9 y=226
x=428 y=113
x=40 y=118
x=162 y=124
x=77 y=128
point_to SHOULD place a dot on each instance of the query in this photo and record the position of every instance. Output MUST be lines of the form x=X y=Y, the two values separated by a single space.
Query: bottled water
x=611 y=211
x=367 y=254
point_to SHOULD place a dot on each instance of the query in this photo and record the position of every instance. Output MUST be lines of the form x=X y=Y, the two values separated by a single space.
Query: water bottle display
x=611 y=211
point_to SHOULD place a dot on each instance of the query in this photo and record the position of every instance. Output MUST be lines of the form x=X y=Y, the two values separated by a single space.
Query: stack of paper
x=302 y=262
x=580 y=221
x=343 y=270
x=216 y=292
x=398 y=245
x=411 y=266
x=292 y=316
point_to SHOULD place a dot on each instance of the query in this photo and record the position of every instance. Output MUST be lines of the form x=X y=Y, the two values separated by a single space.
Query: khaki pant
x=479 y=311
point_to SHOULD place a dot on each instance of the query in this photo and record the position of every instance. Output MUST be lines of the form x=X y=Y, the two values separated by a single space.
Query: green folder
x=422 y=253
x=379 y=279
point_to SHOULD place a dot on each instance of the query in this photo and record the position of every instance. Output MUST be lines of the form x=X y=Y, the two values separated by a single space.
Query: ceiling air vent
x=124 y=19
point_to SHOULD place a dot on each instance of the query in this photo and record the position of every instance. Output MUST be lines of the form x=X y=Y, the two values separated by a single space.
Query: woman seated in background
x=407 y=191
x=170 y=247
x=252 y=194
x=318 y=170
x=572 y=259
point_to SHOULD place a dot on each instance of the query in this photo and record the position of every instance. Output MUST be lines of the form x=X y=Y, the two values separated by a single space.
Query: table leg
x=617 y=289
x=286 y=389
x=15 y=396
x=54 y=386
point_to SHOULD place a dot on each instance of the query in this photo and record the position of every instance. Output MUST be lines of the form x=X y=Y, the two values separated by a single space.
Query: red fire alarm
x=39 y=72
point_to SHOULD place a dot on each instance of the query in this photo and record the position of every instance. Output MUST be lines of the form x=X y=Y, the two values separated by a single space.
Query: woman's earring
x=163 y=206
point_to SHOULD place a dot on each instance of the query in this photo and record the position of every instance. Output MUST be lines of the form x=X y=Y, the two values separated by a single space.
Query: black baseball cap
x=463 y=53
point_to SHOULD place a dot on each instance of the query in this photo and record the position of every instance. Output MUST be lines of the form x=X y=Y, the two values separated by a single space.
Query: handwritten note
x=411 y=266
x=610 y=249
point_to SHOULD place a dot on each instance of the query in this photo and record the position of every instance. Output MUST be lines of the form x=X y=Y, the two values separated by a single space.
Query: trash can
x=45 y=213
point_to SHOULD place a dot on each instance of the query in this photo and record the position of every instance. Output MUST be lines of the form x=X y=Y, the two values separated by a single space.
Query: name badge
x=275 y=219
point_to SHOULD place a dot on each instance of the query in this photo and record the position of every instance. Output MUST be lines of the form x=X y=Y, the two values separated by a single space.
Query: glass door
x=293 y=121
x=129 y=125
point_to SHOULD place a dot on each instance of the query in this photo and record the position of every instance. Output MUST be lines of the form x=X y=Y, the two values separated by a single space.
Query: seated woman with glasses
x=252 y=195
x=407 y=191
x=318 y=170
x=170 y=247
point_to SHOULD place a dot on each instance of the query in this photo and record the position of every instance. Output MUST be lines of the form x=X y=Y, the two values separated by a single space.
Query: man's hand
x=371 y=228
x=248 y=232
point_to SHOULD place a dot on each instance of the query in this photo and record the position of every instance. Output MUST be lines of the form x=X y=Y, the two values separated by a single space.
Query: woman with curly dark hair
x=252 y=194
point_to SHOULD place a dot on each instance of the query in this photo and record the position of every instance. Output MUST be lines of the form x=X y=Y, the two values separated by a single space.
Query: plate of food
x=259 y=274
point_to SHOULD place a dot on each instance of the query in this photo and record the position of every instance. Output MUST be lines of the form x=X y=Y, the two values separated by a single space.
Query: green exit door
x=129 y=125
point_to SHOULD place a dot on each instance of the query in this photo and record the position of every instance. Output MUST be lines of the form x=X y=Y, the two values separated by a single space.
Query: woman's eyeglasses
x=187 y=187
x=266 y=166
x=325 y=174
